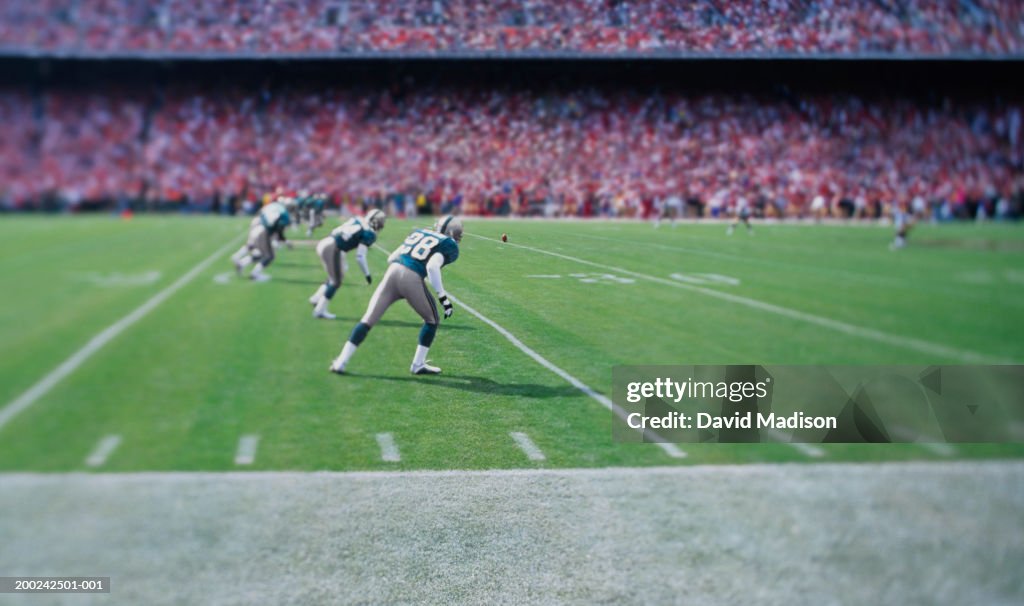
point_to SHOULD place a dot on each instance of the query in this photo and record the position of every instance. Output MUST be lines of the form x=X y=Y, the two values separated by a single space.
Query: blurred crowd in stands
x=934 y=27
x=490 y=150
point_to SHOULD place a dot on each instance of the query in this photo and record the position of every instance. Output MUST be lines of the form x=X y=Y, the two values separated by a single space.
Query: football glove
x=448 y=308
x=369 y=279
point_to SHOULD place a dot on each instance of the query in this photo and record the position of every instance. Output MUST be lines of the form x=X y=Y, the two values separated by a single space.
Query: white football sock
x=245 y=261
x=319 y=294
x=258 y=270
x=421 y=356
x=346 y=354
x=240 y=253
x=321 y=305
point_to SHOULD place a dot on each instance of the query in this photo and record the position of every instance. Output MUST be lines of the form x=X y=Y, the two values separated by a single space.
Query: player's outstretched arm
x=434 y=265
x=363 y=265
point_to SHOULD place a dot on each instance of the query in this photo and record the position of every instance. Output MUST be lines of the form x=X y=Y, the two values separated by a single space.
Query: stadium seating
x=927 y=27
x=580 y=152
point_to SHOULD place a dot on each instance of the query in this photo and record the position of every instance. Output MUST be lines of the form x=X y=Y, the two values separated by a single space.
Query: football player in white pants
x=357 y=233
x=270 y=223
x=419 y=258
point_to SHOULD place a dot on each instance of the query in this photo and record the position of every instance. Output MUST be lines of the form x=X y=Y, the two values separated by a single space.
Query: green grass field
x=223 y=357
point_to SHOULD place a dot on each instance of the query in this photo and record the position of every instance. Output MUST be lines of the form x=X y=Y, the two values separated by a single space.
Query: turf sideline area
x=899 y=533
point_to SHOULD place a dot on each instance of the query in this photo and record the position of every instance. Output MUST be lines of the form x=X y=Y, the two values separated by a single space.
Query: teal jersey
x=275 y=217
x=421 y=245
x=352 y=233
x=317 y=204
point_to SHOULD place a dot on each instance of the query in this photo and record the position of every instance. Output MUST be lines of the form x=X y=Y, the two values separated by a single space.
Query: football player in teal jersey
x=292 y=206
x=357 y=233
x=270 y=223
x=314 y=210
x=420 y=257
x=301 y=202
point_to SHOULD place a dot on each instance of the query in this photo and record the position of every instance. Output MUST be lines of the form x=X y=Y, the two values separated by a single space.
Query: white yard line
x=388 y=448
x=670 y=449
x=784 y=438
x=527 y=446
x=103 y=450
x=910 y=343
x=246 y=453
x=56 y=375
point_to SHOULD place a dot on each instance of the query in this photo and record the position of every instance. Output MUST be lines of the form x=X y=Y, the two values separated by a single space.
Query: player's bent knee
x=359 y=333
x=427 y=334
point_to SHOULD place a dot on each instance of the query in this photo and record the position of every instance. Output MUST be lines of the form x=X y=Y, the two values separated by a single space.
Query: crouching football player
x=420 y=257
x=269 y=224
x=356 y=233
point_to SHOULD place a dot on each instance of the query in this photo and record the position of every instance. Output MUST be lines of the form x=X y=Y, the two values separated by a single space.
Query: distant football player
x=292 y=206
x=902 y=220
x=742 y=215
x=672 y=207
x=269 y=224
x=357 y=233
x=315 y=212
x=419 y=258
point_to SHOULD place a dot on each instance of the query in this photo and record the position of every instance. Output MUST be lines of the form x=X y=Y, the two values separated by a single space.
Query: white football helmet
x=450 y=226
x=375 y=219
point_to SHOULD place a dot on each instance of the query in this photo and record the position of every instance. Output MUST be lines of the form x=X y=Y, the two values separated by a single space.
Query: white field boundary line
x=525 y=444
x=710 y=471
x=108 y=334
x=103 y=450
x=388 y=449
x=247 y=445
x=910 y=343
x=670 y=449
